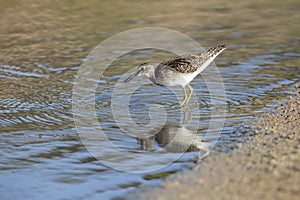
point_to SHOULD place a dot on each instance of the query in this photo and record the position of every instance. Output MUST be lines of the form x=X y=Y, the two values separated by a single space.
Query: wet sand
x=266 y=166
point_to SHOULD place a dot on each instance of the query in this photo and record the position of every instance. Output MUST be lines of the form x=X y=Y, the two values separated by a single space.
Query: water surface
x=42 y=45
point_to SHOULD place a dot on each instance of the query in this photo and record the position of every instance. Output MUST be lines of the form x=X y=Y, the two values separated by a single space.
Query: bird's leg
x=187 y=116
x=184 y=99
x=191 y=92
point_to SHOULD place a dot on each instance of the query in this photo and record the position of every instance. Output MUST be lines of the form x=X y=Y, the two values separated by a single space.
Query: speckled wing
x=190 y=63
x=181 y=64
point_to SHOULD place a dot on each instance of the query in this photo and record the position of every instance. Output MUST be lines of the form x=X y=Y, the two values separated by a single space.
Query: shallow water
x=43 y=46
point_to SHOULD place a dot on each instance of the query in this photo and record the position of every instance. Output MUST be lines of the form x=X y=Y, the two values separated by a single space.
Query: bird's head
x=145 y=69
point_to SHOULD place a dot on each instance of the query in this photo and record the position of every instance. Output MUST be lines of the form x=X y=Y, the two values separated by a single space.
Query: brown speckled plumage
x=190 y=63
x=181 y=64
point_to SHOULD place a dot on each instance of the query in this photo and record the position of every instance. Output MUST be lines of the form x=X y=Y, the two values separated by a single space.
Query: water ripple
x=8 y=71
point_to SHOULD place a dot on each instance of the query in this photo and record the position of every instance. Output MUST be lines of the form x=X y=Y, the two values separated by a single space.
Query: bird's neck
x=151 y=74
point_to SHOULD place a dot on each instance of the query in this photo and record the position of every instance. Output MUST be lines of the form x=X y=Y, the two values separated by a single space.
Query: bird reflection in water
x=176 y=138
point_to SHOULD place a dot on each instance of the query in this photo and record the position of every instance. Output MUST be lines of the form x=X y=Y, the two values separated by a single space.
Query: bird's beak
x=132 y=76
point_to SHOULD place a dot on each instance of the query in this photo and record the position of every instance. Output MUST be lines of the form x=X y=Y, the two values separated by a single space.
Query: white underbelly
x=189 y=77
x=181 y=80
x=167 y=77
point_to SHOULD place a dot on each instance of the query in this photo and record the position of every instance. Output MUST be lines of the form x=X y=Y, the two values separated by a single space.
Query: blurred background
x=43 y=43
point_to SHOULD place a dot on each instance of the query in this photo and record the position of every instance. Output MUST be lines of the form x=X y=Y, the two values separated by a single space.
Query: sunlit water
x=41 y=155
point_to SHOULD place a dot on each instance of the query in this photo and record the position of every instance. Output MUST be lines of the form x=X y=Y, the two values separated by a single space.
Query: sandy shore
x=267 y=166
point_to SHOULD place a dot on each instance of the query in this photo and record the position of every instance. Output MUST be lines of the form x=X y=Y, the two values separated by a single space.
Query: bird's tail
x=216 y=50
x=208 y=56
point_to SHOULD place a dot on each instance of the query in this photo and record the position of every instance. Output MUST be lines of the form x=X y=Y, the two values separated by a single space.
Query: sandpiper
x=178 y=71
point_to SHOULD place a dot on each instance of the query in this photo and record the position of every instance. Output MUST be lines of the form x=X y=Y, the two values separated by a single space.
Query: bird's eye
x=142 y=68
